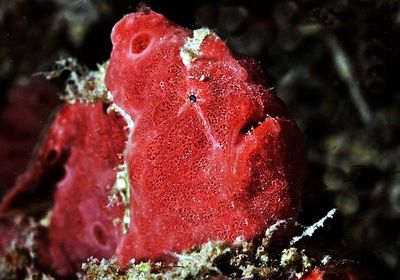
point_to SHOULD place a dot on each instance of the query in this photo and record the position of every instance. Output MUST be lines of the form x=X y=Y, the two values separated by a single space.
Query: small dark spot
x=193 y=98
x=51 y=156
x=105 y=108
x=100 y=234
x=249 y=126
x=59 y=173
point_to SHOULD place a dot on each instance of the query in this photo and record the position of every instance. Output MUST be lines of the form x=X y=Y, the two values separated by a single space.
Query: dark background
x=335 y=63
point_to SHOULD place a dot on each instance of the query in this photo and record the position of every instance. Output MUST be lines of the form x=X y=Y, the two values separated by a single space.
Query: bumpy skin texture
x=197 y=172
x=76 y=163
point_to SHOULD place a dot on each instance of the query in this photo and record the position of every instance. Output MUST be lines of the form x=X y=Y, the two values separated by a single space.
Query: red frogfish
x=190 y=143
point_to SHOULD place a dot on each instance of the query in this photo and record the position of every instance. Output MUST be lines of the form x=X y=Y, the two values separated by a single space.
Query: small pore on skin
x=191 y=49
x=140 y=43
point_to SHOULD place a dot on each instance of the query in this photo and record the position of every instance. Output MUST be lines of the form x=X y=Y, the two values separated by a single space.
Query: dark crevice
x=249 y=126
x=252 y=123
x=273 y=110
x=100 y=235
x=52 y=156
x=38 y=195
x=105 y=108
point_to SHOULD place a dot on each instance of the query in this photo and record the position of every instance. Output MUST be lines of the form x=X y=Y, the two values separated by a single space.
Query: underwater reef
x=165 y=152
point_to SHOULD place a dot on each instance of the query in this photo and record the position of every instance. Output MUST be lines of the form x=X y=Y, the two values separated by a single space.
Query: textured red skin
x=78 y=158
x=195 y=174
x=314 y=274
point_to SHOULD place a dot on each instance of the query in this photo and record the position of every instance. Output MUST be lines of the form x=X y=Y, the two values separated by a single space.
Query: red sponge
x=214 y=154
x=210 y=154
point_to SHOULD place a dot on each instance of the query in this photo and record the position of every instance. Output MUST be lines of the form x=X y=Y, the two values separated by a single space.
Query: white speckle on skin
x=191 y=49
x=122 y=186
x=121 y=192
x=121 y=182
x=210 y=137
x=129 y=122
